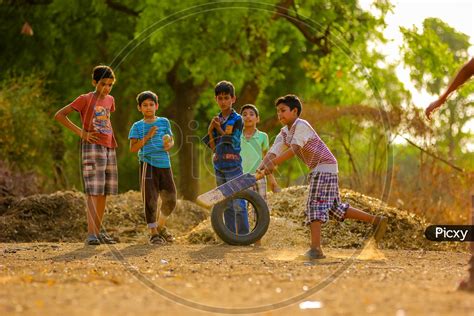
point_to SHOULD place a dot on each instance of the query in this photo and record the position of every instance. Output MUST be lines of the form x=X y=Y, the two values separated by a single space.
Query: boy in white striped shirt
x=297 y=137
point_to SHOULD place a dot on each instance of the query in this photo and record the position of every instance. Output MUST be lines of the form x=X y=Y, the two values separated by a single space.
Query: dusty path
x=138 y=279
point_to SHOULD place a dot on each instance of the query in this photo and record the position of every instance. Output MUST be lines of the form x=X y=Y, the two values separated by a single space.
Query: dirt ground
x=179 y=279
x=46 y=270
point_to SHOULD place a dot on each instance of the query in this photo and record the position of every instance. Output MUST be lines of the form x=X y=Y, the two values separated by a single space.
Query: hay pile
x=405 y=230
x=61 y=217
x=56 y=217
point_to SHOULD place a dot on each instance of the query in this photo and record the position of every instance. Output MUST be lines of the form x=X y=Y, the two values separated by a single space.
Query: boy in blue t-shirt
x=152 y=138
x=223 y=138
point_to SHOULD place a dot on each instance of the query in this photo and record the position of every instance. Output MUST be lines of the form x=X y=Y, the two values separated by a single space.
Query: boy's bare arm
x=268 y=157
x=287 y=154
x=461 y=77
x=273 y=183
x=136 y=144
x=270 y=178
x=271 y=160
x=61 y=117
x=217 y=125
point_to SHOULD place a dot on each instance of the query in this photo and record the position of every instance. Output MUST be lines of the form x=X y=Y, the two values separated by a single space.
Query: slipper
x=165 y=234
x=92 y=240
x=157 y=240
x=104 y=238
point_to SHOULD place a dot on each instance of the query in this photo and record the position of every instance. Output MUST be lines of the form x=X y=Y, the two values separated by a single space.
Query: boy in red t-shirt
x=99 y=162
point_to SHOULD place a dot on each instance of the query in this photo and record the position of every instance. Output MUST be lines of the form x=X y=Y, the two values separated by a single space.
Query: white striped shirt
x=311 y=149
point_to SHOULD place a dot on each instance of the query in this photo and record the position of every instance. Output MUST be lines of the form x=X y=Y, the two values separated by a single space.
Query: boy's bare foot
x=380 y=227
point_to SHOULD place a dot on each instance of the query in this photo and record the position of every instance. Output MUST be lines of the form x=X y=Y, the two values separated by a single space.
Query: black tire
x=260 y=228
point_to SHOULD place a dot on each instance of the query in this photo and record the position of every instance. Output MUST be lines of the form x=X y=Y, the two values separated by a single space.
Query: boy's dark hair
x=145 y=95
x=292 y=101
x=101 y=72
x=225 y=87
x=249 y=106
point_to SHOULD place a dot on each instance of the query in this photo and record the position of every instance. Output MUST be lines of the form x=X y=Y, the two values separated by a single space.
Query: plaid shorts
x=99 y=169
x=261 y=188
x=324 y=198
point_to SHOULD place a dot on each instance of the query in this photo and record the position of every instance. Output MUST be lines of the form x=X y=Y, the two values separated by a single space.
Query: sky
x=459 y=14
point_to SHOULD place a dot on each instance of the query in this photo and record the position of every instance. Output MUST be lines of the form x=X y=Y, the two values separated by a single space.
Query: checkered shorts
x=99 y=169
x=261 y=188
x=324 y=198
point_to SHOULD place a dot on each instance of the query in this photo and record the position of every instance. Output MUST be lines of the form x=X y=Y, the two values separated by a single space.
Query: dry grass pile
x=405 y=229
x=61 y=217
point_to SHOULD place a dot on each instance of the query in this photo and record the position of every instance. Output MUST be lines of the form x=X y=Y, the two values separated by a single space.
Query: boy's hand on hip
x=90 y=137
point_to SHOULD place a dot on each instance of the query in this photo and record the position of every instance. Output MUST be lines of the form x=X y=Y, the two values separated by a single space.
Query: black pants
x=157 y=183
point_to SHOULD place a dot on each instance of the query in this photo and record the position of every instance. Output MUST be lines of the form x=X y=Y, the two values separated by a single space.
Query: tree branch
x=121 y=8
x=434 y=156
x=282 y=10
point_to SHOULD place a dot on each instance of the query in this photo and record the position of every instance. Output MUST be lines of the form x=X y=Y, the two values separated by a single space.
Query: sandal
x=104 y=238
x=166 y=235
x=157 y=239
x=92 y=240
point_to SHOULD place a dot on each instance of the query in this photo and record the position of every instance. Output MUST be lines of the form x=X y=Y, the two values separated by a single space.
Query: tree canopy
x=325 y=51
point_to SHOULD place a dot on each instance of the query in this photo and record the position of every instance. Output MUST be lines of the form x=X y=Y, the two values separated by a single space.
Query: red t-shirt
x=95 y=116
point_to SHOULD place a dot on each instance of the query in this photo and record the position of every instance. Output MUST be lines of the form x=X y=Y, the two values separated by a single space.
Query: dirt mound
x=53 y=217
x=60 y=217
x=405 y=230
x=125 y=217
x=201 y=234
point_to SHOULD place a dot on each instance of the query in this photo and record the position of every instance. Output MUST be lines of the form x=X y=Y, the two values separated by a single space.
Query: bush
x=27 y=141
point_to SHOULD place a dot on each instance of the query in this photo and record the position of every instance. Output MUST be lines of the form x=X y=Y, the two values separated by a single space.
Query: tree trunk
x=248 y=94
x=182 y=109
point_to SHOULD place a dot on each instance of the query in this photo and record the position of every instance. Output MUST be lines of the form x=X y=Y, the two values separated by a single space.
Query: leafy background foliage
x=322 y=50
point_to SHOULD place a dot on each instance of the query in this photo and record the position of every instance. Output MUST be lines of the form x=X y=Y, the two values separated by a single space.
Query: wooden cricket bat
x=228 y=189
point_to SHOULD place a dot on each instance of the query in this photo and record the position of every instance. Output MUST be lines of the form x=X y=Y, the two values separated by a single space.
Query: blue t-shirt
x=227 y=146
x=153 y=152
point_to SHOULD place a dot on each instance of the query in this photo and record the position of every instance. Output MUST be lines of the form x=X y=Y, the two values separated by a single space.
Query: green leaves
x=433 y=54
x=26 y=124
